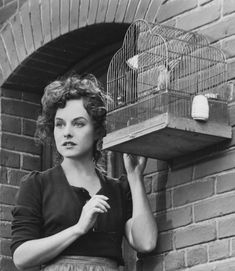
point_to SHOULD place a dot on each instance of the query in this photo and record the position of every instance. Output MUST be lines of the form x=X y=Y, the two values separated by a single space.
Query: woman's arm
x=37 y=252
x=141 y=229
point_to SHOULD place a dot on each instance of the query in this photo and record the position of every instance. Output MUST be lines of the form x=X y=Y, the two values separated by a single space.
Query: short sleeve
x=127 y=198
x=27 y=219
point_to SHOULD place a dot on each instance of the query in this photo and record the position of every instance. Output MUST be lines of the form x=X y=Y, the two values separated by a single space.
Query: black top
x=46 y=204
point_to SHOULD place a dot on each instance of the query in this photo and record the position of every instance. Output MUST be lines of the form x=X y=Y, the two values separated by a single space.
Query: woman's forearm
x=142 y=226
x=39 y=251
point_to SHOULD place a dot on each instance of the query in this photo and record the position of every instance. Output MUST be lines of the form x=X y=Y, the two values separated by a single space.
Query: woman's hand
x=96 y=205
x=134 y=164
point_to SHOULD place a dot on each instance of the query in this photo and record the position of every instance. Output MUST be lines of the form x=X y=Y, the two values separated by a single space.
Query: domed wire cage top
x=160 y=69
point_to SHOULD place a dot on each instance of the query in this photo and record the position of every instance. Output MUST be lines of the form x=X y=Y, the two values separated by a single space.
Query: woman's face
x=74 y=131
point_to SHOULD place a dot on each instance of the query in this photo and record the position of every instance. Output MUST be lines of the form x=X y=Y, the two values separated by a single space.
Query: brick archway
x=36 y=23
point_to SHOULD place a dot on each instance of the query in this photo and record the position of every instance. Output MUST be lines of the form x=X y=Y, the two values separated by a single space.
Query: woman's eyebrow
x=79 y=118
x=58 y=118
x=75 y=119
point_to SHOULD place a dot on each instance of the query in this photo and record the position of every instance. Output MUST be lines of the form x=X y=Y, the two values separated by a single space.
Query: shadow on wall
x=156 y=183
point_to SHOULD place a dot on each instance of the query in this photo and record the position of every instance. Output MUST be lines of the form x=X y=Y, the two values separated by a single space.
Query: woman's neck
x=78 y=166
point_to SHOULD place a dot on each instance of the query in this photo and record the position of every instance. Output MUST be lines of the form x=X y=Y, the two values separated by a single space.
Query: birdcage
x=152 y=81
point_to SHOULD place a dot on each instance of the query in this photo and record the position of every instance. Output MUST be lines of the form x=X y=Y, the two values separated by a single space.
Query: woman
x=72 y=216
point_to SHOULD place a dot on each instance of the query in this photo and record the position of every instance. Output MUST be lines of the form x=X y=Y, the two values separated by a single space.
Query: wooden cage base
x=166 y=137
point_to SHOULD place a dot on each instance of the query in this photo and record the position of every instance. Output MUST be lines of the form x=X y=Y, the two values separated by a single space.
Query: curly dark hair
x=55 y=96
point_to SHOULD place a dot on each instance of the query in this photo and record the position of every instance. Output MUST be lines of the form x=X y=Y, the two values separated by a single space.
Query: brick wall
x=194 y=201
x=19 y=155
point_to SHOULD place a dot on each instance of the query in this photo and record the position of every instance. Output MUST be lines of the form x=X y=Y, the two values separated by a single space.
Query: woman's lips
x=68 y=144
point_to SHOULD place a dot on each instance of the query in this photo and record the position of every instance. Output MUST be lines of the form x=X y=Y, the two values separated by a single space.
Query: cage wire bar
x=160 y=69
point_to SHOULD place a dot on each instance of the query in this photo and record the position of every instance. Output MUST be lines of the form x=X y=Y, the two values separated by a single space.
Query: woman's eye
x=79 y=124
x=58 y=124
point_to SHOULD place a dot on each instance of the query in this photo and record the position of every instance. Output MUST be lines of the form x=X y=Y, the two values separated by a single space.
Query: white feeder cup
x=200 y=108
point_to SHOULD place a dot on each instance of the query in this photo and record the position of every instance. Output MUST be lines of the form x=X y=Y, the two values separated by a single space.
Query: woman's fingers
x=99 y=202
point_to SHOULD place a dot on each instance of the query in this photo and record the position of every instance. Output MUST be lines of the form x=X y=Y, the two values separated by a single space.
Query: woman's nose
x=67 y=131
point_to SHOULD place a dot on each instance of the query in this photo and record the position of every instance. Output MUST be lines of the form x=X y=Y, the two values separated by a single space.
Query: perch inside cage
x=152 y=81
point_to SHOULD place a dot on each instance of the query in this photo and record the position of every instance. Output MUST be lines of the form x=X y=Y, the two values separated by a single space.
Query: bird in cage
x=163 y=79
x=165 y=73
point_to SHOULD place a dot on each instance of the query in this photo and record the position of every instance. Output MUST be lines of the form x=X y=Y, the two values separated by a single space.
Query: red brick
x=154 y=165
x=8 y=39
x=199 y=17
x=159 y=181
x=226 y=226
x=131 y=10
x=20 y=143
x=233 y=247
x=5 y=247
x=20 y=109
x=3 y=175
x=21 y=2
x=148 y=184
x=102 y=11
x=218 y=163
x=219 y=250
x=55 y=18
x=175 y=218
x=225 y=265
x=164 y=243
x=1 y=76
x=46 y=24
x=11 y=124
x=4 y=61
x=142 y=9
x=29 y=127
x=83 y=13
x=10 y=93
x=193 y=192
x=18 y=37
x=31 y=162
x=36 y=23
x=91 y=17
x=7 y=11
x=231 y=69
x=180 y=176
x=27 y=28
x=74 y=12
x=64 y=16
x=9 y=159
x=110 y=14
x=196 y=256
x=5 y=212
x=7 y=194
x=32 y=97
x=175 y=261
x=7 y=264
x=204 y=2
x=220 y=30
x=228 y=7
x=121 y=10
x=174 y=8
x=152 y=12
x=214 y=207
x=225 y=182
x=228 y=47
x=160 y=201
x=152 y=263
x=14 y=176
x=5 y=229
x=232 y=112
x=195 y=234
